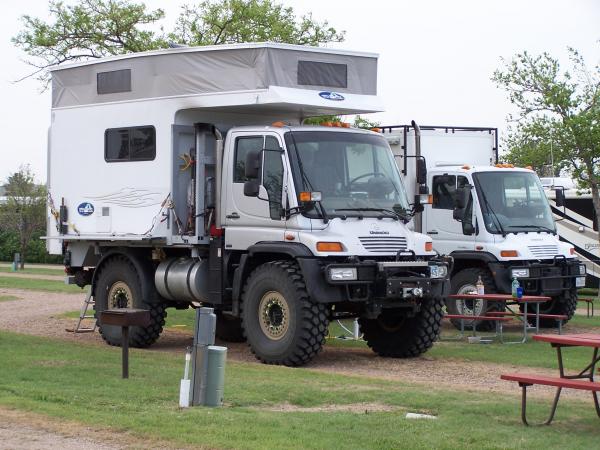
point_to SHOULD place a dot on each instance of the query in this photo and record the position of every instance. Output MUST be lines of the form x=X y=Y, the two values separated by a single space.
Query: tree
x=25 y=209
x=97 y=28
x=558 y=118
x=232 y=21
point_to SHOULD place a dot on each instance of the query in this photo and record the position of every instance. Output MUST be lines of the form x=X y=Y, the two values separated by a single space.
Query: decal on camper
x=85 y=209
x=332 y=96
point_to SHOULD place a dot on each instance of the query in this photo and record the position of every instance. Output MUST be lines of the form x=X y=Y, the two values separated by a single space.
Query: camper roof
x=344 y=81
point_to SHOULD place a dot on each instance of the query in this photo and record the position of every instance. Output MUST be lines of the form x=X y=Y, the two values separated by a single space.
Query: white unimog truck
x=185 y=176
x=493 y=219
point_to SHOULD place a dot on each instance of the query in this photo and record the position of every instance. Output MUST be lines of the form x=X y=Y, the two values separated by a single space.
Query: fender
x=270 y=251
x=485 y=257
x=142 y=266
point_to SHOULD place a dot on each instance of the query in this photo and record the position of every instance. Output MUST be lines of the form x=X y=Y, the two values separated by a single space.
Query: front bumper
x=551 y=278
x=390 y=283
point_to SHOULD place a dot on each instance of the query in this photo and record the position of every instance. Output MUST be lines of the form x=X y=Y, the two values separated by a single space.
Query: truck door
x=446 y=232
x=249 y=220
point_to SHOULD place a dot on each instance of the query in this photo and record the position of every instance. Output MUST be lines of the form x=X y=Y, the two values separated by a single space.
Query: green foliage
x=23 y=214
x=320 y=120
x=361 y=122
x=558 y=111
x=97 y=28
x=233 y=21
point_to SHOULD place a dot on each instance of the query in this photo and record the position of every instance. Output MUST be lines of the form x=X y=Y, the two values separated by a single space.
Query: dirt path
x=29 y=431
x=36 y=313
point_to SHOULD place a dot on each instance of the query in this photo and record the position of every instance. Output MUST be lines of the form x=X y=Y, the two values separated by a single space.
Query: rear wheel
x=118 y=285
x=281 y=323
x=394 y=335
x=464 y=282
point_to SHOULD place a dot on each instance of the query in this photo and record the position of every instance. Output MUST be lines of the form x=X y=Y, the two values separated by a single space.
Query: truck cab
x=496 y=222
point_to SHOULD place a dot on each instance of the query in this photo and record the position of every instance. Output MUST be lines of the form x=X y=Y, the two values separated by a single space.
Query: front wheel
x=394 y=335
x=281 y=323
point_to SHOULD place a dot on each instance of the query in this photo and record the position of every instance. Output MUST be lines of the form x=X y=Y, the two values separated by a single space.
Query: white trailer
x=185 y=176
x=495 y=220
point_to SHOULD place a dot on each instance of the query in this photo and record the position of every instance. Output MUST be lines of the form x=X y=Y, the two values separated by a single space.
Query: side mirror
x=467 y=228
x=417 y=205
x=458 y=214
x=251 y=188
x=252 y=167
x=560 y=197
x=421 y=171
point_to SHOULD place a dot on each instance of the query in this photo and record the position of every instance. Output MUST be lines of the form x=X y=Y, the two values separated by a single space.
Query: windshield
x=355 y=173
x=513 y=202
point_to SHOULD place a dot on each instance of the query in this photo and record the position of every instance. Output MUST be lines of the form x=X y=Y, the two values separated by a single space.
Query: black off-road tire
x=229 y=328
x=468 y=277
x=395 y=336
x=120 y=272
x=297 y=333
x=565 y=304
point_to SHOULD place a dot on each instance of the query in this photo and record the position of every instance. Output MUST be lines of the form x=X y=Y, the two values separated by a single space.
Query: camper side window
x=130 y=144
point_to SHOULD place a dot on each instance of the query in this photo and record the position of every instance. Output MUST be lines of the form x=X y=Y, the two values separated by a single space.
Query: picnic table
x=508 y=299
x=582 y=380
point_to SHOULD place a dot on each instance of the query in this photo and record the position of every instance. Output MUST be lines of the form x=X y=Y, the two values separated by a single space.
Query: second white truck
x=494 y=219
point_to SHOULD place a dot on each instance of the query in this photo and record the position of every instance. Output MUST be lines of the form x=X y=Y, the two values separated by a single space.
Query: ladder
x=83 y=315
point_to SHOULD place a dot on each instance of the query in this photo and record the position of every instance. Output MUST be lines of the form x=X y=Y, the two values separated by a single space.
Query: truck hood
x=531 y=246
x=366 y=237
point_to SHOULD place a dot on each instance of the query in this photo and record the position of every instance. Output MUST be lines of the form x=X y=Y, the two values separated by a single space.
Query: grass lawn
x=82 y=383
x=38 y=285
x=59 y=271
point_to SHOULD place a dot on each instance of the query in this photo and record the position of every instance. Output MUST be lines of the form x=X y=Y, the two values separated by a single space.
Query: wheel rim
x=120 y=296
x=470 y=307
x=273 y=315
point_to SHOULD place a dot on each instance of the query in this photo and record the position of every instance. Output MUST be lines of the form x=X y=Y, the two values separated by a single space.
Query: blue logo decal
x=85 y=209
x=332 y=96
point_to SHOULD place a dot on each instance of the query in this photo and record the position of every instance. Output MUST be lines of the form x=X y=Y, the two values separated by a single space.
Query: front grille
x=378 y=244
x=543 y=251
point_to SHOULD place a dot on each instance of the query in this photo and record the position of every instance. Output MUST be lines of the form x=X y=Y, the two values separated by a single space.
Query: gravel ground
x=34 y=276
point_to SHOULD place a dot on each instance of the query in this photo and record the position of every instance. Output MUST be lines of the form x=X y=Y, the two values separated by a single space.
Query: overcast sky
x=436 y=59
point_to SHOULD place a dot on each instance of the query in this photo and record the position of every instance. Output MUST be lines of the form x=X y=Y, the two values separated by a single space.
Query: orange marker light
x=304 y=196
x=330 y=247
x=428 y=246
x=509 y=253
x=278 y=124
x=572 y=251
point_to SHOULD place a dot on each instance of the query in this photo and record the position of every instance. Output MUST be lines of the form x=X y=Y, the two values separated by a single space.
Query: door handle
x=233 y=215
x=432 y=232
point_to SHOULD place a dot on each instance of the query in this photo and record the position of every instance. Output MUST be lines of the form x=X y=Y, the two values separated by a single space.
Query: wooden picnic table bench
x=558 y=317
x=583 y=380
x=509 y=299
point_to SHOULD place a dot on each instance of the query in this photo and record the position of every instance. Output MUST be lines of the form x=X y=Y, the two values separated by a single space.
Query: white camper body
x=185 y=175
x=504 y=230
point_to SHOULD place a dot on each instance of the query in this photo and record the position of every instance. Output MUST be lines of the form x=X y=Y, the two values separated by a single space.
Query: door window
x=271 y=168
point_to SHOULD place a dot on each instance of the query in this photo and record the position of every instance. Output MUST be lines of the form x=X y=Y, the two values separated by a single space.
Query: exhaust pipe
x=418 y=217
x=218 y=174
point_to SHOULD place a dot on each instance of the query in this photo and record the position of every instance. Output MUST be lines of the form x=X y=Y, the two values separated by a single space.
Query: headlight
x=342 y=274
x=582 y=270
x=438 y=271
x=519 y=273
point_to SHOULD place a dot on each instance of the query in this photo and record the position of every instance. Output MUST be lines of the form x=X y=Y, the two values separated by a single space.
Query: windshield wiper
x=489 y=207
x=392 y=213
x=537 y=227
